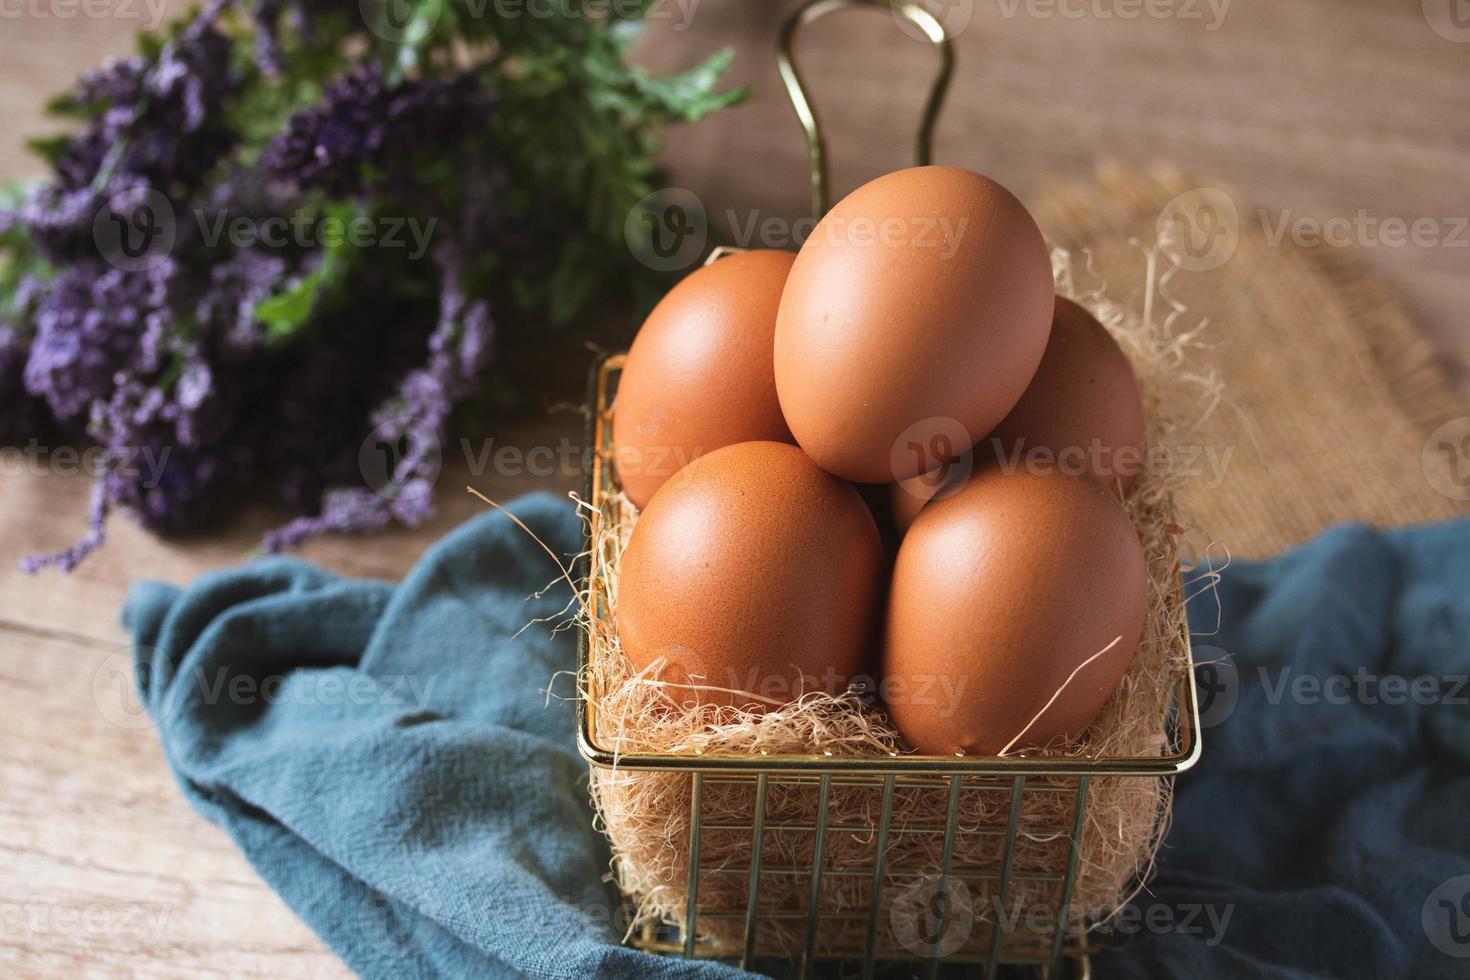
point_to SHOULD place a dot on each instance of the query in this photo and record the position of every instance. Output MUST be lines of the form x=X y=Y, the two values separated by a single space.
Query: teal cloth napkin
x=388 y=759
x=1326 y=831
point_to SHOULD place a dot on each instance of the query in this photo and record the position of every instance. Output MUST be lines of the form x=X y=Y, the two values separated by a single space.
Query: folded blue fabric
x=1326 y=832
x=387 y=758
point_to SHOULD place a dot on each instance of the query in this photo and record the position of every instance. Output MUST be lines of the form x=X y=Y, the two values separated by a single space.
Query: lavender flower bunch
x=284 y=225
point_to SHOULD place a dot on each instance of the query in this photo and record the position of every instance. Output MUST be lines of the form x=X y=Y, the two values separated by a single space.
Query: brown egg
x=754 y=571
x=1082 y=411
x=1001 y=590
x=699 y=374
x=913 y=319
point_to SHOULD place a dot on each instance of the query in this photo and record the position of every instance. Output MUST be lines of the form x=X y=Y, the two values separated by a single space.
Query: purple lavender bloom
x=160 y=122
x=59 y=221
x=69 y=558
x=459 y=349
x=343 y=511
x=167 y=448
x=326 y=145
x=362 y=123
x=115 y=92
x=156 y=125
x=274 y=17
x=236 y=287
x=88 y=326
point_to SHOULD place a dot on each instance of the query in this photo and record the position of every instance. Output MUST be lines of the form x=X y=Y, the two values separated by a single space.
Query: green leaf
x=150 y=46
x=625 y=32
x=574 y=281
x=48 y=148
x=18 y=259
x=13 y=193
x=64 y=104
x=691 y=96
x=286 y=313
x=289 y=312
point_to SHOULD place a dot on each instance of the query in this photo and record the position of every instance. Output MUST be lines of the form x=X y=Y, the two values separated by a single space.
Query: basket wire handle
x=796 y=88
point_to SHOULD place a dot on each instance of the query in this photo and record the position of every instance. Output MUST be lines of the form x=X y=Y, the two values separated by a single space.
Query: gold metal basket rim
x=598 y=482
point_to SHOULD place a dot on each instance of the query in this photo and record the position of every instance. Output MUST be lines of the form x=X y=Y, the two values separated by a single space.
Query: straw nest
x=646 y=814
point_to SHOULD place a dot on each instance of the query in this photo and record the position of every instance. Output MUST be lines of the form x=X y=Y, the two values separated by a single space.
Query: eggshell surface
x=1082 y=410
x=753 y=570
x=924 y=295
x=699 y=375
x=1000 y=591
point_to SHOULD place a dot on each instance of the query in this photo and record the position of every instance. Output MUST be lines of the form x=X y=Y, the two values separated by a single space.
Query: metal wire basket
x=1038 y=940
x=734 y=924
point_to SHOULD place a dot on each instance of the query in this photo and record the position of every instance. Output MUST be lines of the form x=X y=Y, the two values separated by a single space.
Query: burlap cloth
x=1330 y=393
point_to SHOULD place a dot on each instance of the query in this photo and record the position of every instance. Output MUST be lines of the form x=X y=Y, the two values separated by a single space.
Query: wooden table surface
x=1317 y=108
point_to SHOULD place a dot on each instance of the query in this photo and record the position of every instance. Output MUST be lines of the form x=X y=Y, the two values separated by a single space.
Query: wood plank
x=104 y=869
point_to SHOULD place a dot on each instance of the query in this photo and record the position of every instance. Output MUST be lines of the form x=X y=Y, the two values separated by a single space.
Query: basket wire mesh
x=1039 y=942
